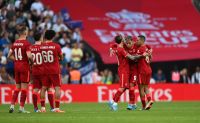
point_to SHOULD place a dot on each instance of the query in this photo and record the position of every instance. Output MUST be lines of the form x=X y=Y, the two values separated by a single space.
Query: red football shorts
x=37 y=81
x=52 y=79
x=124 y=80
x=144 y=79
x=134 y=76
x=22 y=77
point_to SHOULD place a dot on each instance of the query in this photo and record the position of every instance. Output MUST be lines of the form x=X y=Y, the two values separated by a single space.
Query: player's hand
x=145 y=54
x=150 y=51
x=112 y=52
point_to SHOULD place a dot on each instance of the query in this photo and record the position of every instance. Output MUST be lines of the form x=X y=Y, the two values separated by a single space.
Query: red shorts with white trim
x=124 y=80
x=144 y=79
x=22 y=77
x=52 y=79
x=37 y=81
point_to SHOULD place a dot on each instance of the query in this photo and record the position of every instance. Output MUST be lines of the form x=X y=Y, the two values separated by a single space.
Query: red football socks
x=132 y=96
x=23 y=97
x=143 y=102
x=57 y=103
x=42 y=101
x=15 y=96
x=35 y=99
x=117 y=96
x=148 y=97
x=51 y=99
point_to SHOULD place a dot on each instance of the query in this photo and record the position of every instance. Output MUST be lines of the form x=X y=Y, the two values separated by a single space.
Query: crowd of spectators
x=177 y=76
x=38 y=18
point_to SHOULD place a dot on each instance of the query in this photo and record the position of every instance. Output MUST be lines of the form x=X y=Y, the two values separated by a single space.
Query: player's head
x=135 y=39
x=37 y=36
x=141 y=40
x=128 y=41
x=118 y=39
x=22 y=30
x=49 y=34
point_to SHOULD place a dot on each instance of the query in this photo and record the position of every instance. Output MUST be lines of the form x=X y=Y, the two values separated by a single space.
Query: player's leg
x=113 y=103
x=35 y=94
x=35 y=99
x=149 y=98
x=118 y=94
x=24 y=78
x=147 y=93
x=56 y=80
x=132 y=101
x=24 y=88
x=141 y=80
x=45 y=85
x=51 y=98
x=124 y=83
x=142 y=96
x=42 y=98
x=14 y=97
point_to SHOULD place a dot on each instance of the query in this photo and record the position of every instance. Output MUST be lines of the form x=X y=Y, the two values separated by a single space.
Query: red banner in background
x=171 y=29
x=104 y=93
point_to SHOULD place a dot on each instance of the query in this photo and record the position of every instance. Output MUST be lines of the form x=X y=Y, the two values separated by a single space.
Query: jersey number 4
x=18 y=53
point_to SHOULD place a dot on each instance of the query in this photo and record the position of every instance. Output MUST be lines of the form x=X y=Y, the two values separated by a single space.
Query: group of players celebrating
x=134 y=58
x=42 y=61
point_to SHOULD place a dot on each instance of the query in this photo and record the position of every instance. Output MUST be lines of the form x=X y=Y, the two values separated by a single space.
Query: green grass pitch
x=163 y=112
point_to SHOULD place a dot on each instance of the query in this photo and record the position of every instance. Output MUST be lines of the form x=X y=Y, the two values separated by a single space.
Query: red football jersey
x=51 y=52
x=38 y=67
x=114 y=46
x=123 y=62
x=133 y=64
x=20 y=48
x=143 y=63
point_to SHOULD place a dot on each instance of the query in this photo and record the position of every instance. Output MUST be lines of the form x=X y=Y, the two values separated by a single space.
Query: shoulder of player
x=57 y=45
x=120 y=50
x=148 y=46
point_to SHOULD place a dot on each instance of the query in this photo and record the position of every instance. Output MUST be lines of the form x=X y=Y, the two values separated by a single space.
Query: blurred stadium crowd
x=38 y=18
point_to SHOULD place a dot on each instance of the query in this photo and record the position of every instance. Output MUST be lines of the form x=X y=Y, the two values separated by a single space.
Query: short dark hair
x=129 y=37
x=21 y=29
x=49 y=34
x=142 y=37
x=118 y=39
x=37 y=36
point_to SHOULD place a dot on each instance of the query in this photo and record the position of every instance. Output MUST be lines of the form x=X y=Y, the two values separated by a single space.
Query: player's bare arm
x=111 y=52
x=61 y=57
x=10 y=55
x=30 y=58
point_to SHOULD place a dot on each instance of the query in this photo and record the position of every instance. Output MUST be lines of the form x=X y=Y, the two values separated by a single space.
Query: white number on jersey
x=37 y=58
x=18 y=53
x=48 y=56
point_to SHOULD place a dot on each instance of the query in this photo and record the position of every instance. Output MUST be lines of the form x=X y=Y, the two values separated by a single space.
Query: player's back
x=20 y=49
x=51 y=53
x=37 y=67
x=123 y=62
x=144 y=63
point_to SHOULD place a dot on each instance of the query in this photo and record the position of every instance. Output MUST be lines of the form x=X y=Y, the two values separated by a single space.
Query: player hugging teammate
x=132 y=71
x=42 y=60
